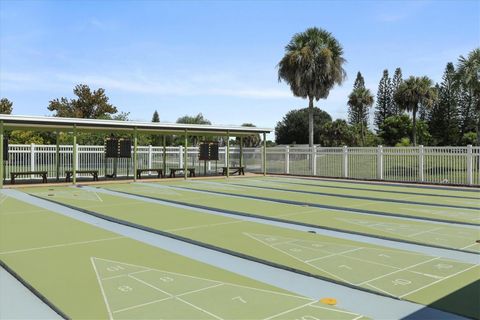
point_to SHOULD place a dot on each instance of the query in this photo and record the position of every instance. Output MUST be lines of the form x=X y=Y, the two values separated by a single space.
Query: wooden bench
x=14 y=175
x=158 y=171
x=69 y=174
x=191 y=172
x=233 y=170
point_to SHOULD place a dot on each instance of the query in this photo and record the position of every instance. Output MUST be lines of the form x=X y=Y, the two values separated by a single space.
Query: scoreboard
x=118 y=148
x=209 y=151
x=5 y=149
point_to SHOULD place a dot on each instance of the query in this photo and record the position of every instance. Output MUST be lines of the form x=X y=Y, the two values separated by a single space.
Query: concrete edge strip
x=286 y=221
x=379 y=213
x=406 y=184
x=291 y=181
x=213 y=247
x=32 y=289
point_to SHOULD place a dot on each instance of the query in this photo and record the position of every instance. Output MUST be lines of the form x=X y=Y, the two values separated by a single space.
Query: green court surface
x=424 y=232
x=91 y=273
x=452 y=200
x=471 y=216
x=412 y=276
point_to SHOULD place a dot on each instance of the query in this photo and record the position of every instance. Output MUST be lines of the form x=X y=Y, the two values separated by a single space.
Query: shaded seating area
x=14 y=175
x=69 y=174
x=173 y=171
x=121 y=155
x=233 y=170
x=157 y=170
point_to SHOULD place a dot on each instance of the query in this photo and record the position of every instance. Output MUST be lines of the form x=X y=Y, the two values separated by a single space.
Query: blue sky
x=218 y=58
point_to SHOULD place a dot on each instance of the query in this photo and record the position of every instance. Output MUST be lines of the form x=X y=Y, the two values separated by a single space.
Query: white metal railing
x=43 y=158
x=449 y=165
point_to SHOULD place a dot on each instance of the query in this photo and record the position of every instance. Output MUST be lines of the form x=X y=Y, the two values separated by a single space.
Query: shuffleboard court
x=424 y=232
x=391 y=187
x=422 y=278
x=452 y=201
x=454 y=215
x=90 y=273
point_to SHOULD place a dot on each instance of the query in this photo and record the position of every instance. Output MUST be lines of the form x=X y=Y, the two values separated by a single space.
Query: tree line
x=94 y=104
x=407 y=111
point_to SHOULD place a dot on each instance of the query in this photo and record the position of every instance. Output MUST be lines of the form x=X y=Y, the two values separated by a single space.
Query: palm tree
x=413 y=93
x=360 y=100
x=312 y=65
x=468 y=73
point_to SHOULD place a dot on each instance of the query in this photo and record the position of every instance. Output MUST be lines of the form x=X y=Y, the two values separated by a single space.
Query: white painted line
x=126 y=275
x=194 y=277
x=334 y=254
x=204 y=226
x=403 y=269
x=290 y=310
x=470 y=245
x=142 y=305
x=422 y=232
x=371 y=285
x=176 y=297
x=99 y=198
x=427 y=275
x=199 y=290
x=435 y=282
x=296 y=258
x=336 y=310
x=61 y=245
x=92 y=260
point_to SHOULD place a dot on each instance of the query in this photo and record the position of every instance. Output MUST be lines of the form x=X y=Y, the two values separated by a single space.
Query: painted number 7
x=240 y=299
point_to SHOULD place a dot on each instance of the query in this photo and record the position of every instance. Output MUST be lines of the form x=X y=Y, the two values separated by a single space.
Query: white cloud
x=196 y=85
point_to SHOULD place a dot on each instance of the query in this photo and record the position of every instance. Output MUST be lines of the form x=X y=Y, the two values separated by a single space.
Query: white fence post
x=380 y=163
x=314 y=160
x=225 y=158
x=469 y=165
x=345 y=161
x=150 y=156
x=180 y=156
x=287 y=159
x=77 y=156
x=421 y=163
x=32 y=158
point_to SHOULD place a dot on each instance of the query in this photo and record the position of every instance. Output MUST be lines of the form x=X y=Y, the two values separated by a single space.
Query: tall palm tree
x=413 y=93
x=312 y=65
x=468 y=73
x=360 y=100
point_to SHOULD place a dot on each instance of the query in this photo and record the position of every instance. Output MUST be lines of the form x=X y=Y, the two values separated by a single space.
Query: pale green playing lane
x=333 y=258
x=90 y=273
x=425 y=232
x=380 y=207
x=470 y=200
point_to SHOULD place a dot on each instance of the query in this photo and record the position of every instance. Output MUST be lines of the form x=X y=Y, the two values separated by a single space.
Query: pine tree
x=466 y=107
x=6 y=106
x=384 y=107
x=444 y=117
x=359 y=81
x=359 y=102
x=155 y=117
x=396 y=82
x=155 y=139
